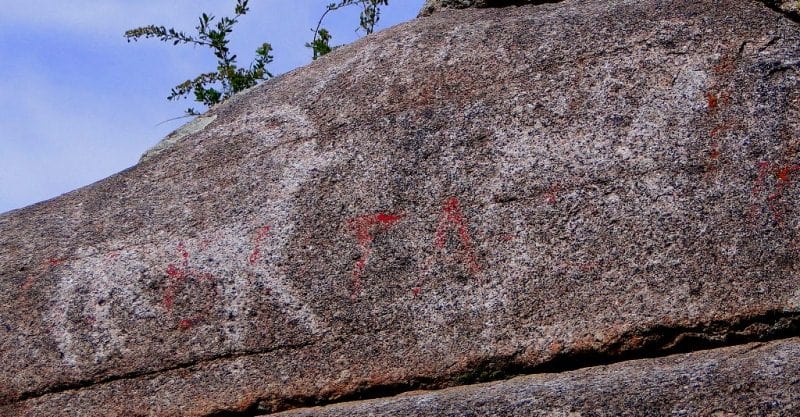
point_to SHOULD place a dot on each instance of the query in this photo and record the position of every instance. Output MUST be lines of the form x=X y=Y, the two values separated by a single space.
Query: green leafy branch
x=212 y=87
x=368 y=18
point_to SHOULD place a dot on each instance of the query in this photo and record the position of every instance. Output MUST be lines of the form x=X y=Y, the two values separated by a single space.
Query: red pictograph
x=452 y=221
x=451 y=224
x=363 y=229
x=711 y=98
x=261 y=234
x=179 y=275
x=780 y=177
x=56 y=261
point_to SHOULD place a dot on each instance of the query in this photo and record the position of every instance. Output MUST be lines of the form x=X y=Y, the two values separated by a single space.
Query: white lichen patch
x=121 y=297
x=178 y=286
x=84 y=307
x=275 y=125
x=59 y=315
x=196 y=125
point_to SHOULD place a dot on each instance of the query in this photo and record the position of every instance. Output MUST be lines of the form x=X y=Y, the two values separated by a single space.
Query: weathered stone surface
x=197 y=124
x=464 y=196
x=750 y=380
x=790 y=6
x=431 y=6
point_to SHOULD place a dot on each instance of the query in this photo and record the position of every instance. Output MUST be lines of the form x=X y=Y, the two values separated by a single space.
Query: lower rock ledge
x=745 y=361
x=751 y=379
x=647 y=343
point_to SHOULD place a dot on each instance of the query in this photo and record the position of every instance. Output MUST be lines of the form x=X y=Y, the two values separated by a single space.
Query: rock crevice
x=656 y=386
x=651 y=343
x=788 y=8
x=93 y=383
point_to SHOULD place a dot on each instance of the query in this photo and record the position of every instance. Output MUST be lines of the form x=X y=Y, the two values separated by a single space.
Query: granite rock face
x=461 y=198
x=431 y=6
x=708 y=383
x=788 y=6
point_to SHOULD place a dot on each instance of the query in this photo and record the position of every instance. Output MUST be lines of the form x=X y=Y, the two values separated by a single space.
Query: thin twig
x=176 y=118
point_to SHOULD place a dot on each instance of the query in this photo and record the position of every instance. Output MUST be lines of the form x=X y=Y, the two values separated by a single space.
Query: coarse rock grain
x=197 y=124
x=464 y=196
x=431 y=6
x=750 y=380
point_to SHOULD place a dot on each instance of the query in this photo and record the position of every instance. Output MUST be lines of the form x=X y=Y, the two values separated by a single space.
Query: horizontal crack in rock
x=89 y=383
x=658 y=341
x=776 y=6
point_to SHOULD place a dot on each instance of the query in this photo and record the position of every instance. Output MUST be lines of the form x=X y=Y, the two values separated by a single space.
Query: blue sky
x=78 y=103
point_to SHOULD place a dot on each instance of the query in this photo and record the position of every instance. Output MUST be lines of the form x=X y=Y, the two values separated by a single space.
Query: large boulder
x=465 y=197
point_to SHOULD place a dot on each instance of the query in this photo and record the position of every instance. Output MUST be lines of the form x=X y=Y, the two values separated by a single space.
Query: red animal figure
x=452 y=222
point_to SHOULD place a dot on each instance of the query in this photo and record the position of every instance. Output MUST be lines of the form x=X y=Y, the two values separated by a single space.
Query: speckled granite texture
x=464 y=197
x=431 y=6
x=749 y=380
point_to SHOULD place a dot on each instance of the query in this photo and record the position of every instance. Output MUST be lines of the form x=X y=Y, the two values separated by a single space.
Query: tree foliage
x=229 y=78
x=213 y=87
x=368 y=18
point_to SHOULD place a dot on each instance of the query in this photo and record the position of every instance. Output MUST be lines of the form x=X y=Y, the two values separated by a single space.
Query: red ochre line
x=179 y=275
x=261 y=233
x=169 y=298
x=783 y=178
x=183 y=252
x=387 y=219
x=454 y=218
x=185 y=324
x=253 y=258
x=57 y=261
x=714 y=152
x=784 y=173
x=362 y=228
x=724 y=127
x=712 y=100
